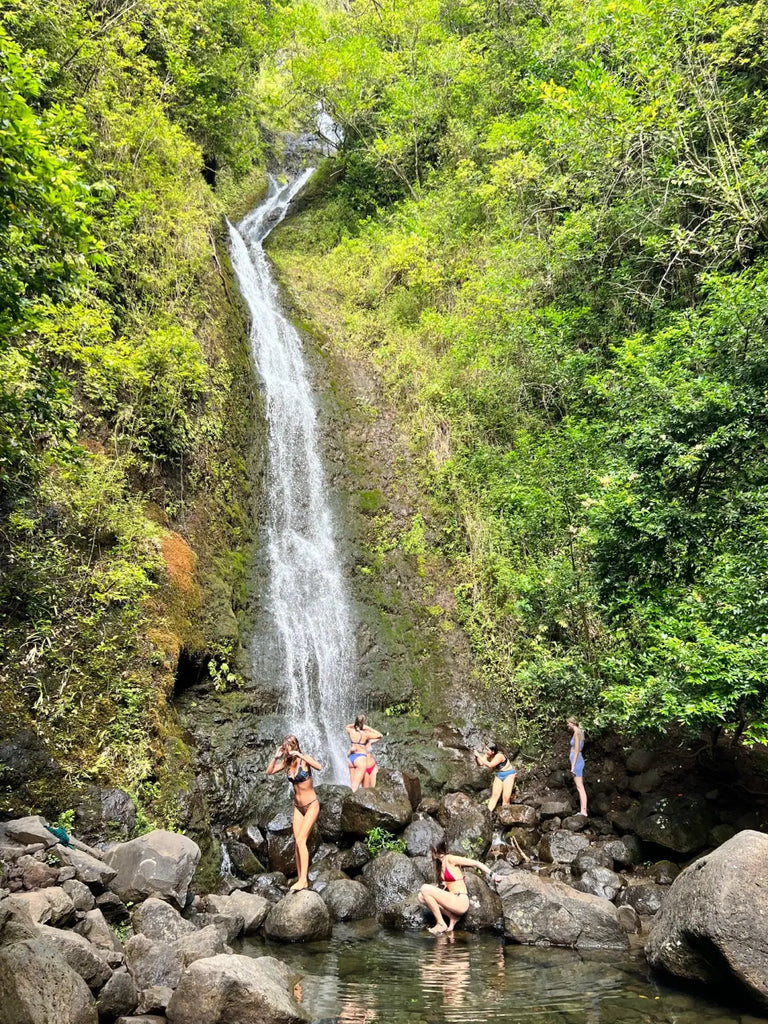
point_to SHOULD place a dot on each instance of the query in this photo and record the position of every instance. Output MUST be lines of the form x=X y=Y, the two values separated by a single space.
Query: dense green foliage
x=124 y=378
x=547 y=229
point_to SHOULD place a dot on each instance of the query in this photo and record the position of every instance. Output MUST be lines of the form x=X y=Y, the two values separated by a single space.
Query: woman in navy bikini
x=504 y=774
x=298 y=769
x=362 y=766
x=453 y=899
x=577 y=762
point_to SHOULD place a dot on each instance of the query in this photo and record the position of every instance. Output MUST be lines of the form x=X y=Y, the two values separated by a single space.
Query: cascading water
x=312 y=638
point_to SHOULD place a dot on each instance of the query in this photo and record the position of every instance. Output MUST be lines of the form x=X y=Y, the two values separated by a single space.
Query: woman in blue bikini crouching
x=504 y=774
x=298 y=769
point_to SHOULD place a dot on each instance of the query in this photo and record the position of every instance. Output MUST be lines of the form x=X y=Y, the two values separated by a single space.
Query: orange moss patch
x=180 y=560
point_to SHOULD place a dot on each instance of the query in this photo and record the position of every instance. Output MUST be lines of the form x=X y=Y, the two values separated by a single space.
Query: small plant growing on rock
x=379 y=839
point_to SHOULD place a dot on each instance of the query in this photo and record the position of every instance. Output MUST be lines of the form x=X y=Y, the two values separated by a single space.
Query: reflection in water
x=366 y=976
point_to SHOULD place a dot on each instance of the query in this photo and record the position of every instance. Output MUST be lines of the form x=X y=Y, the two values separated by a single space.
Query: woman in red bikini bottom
x=298 y=769
x=453 y=899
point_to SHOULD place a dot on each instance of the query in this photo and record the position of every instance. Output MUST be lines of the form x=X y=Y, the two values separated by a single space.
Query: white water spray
x=312 y=643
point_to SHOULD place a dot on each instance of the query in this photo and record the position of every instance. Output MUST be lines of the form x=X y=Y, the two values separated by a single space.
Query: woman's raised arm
x=310 y=761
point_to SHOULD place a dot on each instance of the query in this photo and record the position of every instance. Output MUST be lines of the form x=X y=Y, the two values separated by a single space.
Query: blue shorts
x=578 y=768
x=506 y=774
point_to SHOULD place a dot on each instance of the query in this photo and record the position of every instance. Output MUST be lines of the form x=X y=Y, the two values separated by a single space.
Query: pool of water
x=365 y=975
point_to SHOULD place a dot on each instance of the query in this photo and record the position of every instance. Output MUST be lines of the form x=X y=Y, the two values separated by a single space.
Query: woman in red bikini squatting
x=298 y=769
x=453 y=899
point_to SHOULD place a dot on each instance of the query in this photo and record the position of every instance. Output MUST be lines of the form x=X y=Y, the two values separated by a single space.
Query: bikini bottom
x=306 y=807
x=354 y=756
x=369 y=770
x=505 y=775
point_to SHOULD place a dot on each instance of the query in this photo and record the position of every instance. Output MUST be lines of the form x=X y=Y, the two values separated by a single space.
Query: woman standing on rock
x=505 y=774
x=362 y=766
x=577 y=762
x=298 y=769
x=454 y=898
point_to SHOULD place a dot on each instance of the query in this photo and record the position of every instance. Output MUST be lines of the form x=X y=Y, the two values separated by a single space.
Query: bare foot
x=298 y=886
x=438 y=929
x=452 y=922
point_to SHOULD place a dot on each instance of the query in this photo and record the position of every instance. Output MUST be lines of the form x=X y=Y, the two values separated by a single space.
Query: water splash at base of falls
x=311 y=630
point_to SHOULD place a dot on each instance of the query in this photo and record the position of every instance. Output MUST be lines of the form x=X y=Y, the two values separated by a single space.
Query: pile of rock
x=71 y=951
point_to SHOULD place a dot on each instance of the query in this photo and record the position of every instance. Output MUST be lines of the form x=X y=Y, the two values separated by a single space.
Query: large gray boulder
x=29 y=830
x=299 y=917
x=421 y=834
x=81 y=956
x=37 y=986
x=44 y=906
x=241 y=989
x=517 y=816
x=119 y=996
x=158 y=864
x=712 y=926
x=249 y=906
x=348 y=900
x=331 y=803
x=599 y=881
x=391 y=877
x=159 y=921
x=467 y=824
x=88 y=870
x=674 y=823
x=486 y=913
x=387 y=807
x=540 y=912
x=562 y=847
x=646 y=897
x=407 y=916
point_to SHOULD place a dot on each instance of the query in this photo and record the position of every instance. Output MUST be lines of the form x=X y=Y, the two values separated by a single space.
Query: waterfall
x=310 y=637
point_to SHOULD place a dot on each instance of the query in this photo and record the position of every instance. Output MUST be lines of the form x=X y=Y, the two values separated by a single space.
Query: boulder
x=331 y=802
x=29 y=830
x=599 y=881
x=646 y=898
x=640 y=760
x=282 y=850
x=347 y=860
x=158 y=864
x=591 y=857
x=244 y=860
x=250 y=907
x=391 y=877
x=555 y=809
x=78 y=952
x=407 y=916
x=467 y=825
x=80 y=894
x=646 y=782
x=89 y=870
x=486 y=913
x=95 y=928
x=712 y=925
x=225 y=989
x=159 y=921
x=387 y=807
x=36 y=874
x=153 y=963
x=299 y=917
x=541 y=912
x=421 y=834
x=348 y=900
x=101 y=811
x=154 y=999
x=625 y=852
x=664 y=872
x=674 y=823
x=209 y=941
x=575 y=822
x=517 y=815
x=231 y=926
x=44 y=906
x=37 y=986
x=119 y=996
x=112 y=907
x=273 y=886
x=562 y=847
x=630 y=920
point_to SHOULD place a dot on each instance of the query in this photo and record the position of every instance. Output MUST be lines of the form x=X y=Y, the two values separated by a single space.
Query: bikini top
x=301 y=776
x=361 y=742
x=448 y=877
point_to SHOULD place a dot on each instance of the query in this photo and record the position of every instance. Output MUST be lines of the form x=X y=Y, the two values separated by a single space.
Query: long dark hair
x=496 y=749
x=438 y=850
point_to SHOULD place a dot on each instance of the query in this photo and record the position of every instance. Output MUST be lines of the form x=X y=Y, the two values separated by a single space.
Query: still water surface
x=367 y=976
